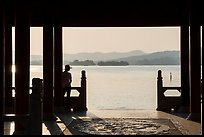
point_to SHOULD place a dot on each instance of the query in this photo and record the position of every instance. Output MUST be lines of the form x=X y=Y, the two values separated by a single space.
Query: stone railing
x=166 y=103
x=31 y=123
x=78 y=103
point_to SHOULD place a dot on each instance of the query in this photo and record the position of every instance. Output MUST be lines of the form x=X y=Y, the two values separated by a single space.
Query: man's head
x=67 y=67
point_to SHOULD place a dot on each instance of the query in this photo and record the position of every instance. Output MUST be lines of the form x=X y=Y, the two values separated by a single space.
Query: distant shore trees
x=82 y=63
x=100 y=63
x=113 y=63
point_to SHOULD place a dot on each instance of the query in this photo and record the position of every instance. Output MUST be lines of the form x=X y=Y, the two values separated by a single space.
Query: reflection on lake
x=120 y=87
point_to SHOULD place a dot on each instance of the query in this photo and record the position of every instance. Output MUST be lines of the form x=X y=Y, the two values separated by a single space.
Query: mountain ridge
x=135 y=57
x=99 y=56
x=162 y=57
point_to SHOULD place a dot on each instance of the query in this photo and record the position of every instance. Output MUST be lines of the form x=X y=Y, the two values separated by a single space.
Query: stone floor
x=124 y=126
x=148 y=121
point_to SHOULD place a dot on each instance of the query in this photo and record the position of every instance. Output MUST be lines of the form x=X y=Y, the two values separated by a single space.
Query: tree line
x=100 y=63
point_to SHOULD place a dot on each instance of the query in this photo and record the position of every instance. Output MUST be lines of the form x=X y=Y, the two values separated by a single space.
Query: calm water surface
x=120 y=87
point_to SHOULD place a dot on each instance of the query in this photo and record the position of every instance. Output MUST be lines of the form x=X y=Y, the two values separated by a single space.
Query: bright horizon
x=110 y=39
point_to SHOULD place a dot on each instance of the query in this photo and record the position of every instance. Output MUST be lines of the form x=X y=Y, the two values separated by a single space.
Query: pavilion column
x=1 y=66
x=8 y=65
x=48 y=97
x=202 y=50
x=22 y=59
x=202 y=54
x=48 y=71
x=184 y=50
x=195 y=67
x=58 y=95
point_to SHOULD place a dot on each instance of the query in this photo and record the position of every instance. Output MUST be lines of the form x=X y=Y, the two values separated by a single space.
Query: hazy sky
x=94 y=39
x=120 y=39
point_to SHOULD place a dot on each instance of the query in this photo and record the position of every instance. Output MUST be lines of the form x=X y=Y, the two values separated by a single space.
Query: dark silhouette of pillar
x=184 y=52
x=83 y=91
x=202 y=55
x=202 y=51
x=58 y=95
x=160 y=94
x=195 y=66
x=48 y=71
x=8 y=63
x=1 y=66
x=36 y=107
x=22 y=60
x=48 y=98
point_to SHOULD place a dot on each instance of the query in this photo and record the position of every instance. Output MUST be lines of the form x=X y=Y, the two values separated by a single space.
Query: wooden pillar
x=202 y=54
x=8 y=64
x=195 y=67
x=184 y=52
x=1 y=67
x=48 y=97
x=202 y=49
x=58 y=95
x=22 y=59
x=48 y=71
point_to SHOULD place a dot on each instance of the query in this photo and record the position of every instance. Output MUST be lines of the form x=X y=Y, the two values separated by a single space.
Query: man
x=66 y=86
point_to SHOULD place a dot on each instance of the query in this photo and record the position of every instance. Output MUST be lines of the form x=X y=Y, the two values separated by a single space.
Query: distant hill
x=156 y=58
x=136 y=57
x=36 y=60
x=99 y=56
x=96 y=56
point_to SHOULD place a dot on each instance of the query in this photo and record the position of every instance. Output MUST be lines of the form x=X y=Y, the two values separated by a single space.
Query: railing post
x=83 y=90
x=36 y=106
x=160 y=94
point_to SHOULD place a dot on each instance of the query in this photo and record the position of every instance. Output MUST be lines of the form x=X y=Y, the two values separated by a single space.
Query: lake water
x=120 y=87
